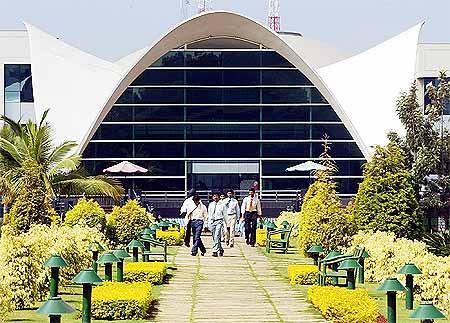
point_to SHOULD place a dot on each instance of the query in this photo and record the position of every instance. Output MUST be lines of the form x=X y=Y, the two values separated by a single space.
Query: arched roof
x=80 y=88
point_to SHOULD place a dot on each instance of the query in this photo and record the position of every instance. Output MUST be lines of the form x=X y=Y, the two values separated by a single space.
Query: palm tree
x=59 y=167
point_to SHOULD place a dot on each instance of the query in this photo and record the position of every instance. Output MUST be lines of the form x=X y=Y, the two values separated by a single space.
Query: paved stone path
x=242 y=286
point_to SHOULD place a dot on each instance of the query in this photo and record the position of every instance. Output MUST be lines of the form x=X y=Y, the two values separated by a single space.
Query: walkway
x=242 y=286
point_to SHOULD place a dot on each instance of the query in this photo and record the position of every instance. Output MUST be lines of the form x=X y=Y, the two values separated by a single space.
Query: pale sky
x=112 y=29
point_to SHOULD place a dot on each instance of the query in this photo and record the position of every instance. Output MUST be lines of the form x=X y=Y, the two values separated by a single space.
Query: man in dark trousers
x=187 y=204
x=251 y=210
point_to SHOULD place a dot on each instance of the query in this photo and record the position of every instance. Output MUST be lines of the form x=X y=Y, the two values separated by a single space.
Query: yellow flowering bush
x=293 y=218
x=302 y=274
x=153 y=272
x=121 y=301
x=86 y=213
x=343 y=305
x=173 y=238
x=388 y=257
x=6 y=296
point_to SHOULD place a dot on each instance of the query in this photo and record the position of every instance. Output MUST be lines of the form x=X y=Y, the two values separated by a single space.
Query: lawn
x=280 y=262
x=73 y=294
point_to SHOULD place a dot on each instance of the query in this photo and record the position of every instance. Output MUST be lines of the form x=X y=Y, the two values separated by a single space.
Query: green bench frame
x=155 y=243
x=279 y=244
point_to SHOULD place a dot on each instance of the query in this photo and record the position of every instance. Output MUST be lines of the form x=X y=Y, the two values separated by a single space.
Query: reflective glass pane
x=241 y=59
x=334 y=131
x=323 y=113
x=27 y=111
x=12 y=110
x=347 y=185
x=151 y=96
x=350 y=167
x=339 y=150
x=171 y=59
x=114 y=132
x=156 y=168
x=12 y=97
x=316 y=96
x=108 y=150
x=158 y=113
x=164 y=184
x=203 y=59
x=295 y=184
x=290 y=113
x=244 y=96
x=215 y=150
x=273 y=59
x=286 y=131
x=162 y=150
x=119 y=113
x=284 y=77
x=222 y=132
x=286 y=150
x=160 y=77
x=219 y=113
x=286 y=95
x=155 y=132
x=12 y=77
x=26 y=95
x=241 y=77
x=204 y=77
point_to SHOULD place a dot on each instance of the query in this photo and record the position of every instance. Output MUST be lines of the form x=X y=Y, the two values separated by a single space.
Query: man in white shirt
x=251 y=210
x=188 y=205
x=233 y=211
x=217 y=215
x=224 y=228
x=198 y=215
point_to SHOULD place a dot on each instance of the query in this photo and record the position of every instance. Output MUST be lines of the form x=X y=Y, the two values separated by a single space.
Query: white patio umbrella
x=307 y=166
x=128 y=168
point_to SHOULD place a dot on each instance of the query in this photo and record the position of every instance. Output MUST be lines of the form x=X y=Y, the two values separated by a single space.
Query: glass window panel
x=296 y=184
x=12 y=110
x=165 y=184
x=203 y=59
x=339 y=150
x=151 y=96
x=316 y=96
x=347 y=185
x=108 y=150
x=350 y=167
x=213 y=113
x=171 y=59
x=284 y=77
x=241 y=77
x=244 y=96
x=160 y=77
x=162 y=150
x=26 y=95
x=292 y=149
x=273 y=59
x=154 y=132
x=156 y=168
x=119 y=113
x=291 y=113
x=203 y=96
x=90 y=167
x=12 y=97
x=225 y=150
x=222 y=132
x=241 y=59
x=12 y=77
x=283 y=131
x=114 y=132
x=160 y=114
x=204 y=77
x=27 y=111
x=286 y=95
x=334 y=131
x=323 y=113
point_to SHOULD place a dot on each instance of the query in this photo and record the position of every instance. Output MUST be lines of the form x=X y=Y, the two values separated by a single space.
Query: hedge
x=121 y=301
x=173 y=238
x=152 y=272
x=302 y=274
x=343 y=305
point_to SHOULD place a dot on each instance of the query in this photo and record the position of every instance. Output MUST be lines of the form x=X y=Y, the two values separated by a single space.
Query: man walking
x=187 y=206
x=217 y=215
x=198 y=217
x=251 y=210
x=233 y=211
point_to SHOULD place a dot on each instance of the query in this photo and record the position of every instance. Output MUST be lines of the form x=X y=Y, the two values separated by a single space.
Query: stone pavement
x=242 y=286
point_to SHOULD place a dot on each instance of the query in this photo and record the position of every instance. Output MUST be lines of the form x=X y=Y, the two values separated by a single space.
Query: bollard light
x=146 y=235
x=426 y=312
x=314 y=251
x=87 y=278
x=350 y=265
x=361 y=278
x=154 y=227
x=95 y=248
x=285 y=224
x=54 y=308
x=54 y=263
x=270 y=226
x=164 y=225
x=135 y=245
x=121 y=254
x=108 y=259
x=409 y=270
x=391 y=286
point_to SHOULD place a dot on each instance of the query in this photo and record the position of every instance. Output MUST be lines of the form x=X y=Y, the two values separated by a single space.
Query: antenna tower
x=204 y=5
x=185 y=6
x=274 y=15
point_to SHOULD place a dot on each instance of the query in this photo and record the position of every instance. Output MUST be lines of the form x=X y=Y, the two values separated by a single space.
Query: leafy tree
x=322 y=220
x=59 y=169
x=385 y=200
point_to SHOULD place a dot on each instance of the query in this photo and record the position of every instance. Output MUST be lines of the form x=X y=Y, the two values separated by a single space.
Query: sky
x=112 y=29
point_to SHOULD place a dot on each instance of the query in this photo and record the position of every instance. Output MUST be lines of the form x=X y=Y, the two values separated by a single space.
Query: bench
x=150 y=243
x=333 y=263
x=278 y=244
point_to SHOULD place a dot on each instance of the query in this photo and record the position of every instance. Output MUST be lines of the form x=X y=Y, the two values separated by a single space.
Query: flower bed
x=342 y=305
x=121 y=301
x=302 y=274
x=152 y=272
x=173 y=238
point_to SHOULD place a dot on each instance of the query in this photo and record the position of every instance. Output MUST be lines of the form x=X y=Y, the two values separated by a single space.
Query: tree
x=323 y=220
x=385 y=200
x=59 y=168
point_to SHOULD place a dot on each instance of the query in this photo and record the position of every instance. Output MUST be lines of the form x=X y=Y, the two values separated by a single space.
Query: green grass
x=72 y=295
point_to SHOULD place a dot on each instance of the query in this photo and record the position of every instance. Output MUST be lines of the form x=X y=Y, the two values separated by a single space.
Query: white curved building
x=220 y=101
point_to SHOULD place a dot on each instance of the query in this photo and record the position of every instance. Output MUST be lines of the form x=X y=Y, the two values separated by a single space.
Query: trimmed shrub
x=121 y=301
x=86 y=213
x=126 y=222
x=302 y=274
x=173 y=238
x=152 y=272
x=293 y=218
x=6 y=296
x=344 y=305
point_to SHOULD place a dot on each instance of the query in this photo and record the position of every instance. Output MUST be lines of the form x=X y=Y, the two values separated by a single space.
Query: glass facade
x=18 y=92
x=219 y=106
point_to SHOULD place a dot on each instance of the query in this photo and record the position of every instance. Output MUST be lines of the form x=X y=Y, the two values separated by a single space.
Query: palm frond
x=60 y=153
x=67 y=165
x=438 y=243
x=92 y=185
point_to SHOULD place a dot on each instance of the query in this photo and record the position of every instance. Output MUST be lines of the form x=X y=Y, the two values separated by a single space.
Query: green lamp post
x=95 y=248
x=164 y=225
x=314 y=251
x=361 y=271
x=146 y=235
x=54 y=263
x=108 y=259
x=409 y=270
x=391 y=286
x=285 y=224
x=135 y=245
x=87 y=278
x=121 y=254
x=54 y=308
x=270 y=226
x=426 y=312
x=350 y=265
x=154 y=227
